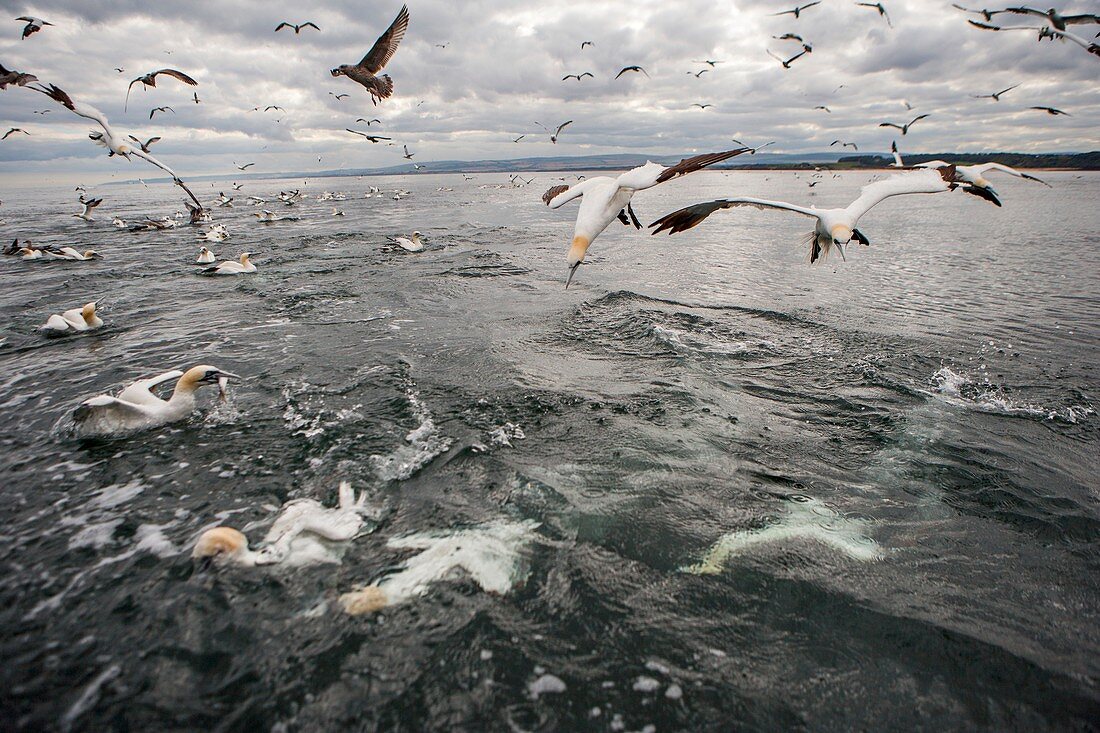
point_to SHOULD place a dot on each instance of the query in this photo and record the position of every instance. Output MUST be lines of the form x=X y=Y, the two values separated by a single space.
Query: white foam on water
x=960 y=390
x=691 y=342
x=422 y=445
x=89 y=697
x=547 y=684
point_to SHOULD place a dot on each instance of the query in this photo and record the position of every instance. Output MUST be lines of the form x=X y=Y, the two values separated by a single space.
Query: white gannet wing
x=924 y=181
x=141 y=391
x=559 y=195
x=985 y=167
x=58 y=323
x=105 y=407
x=689 y=216
x=175 y=179
x=74 y=314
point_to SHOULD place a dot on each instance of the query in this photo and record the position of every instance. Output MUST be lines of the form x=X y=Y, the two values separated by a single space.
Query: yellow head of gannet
x=88 y=313
x=196 y=377
x=576 y=255
x=223 y=543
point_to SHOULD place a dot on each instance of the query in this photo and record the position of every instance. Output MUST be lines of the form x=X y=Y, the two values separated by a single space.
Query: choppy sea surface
x=858 y=496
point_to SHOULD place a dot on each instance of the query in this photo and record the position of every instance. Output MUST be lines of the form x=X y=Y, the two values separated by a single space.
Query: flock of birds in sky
x=603 y=200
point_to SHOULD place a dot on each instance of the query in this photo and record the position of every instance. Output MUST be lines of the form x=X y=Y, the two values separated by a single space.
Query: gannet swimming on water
x=137 y=407
x=305 y=533
x=224 y=201
x=492 y=555
x=605 y=198
x=217 y=233
x=337 y=212
x=205 y=257
x=834 y=226
x=71 y=321
x=268 y=217
x=974 y=176
x=229 y=267
x=87 y=206
x=118 y=223
x=107 y=138
x=68 y=253
x=409 y=245
x=29 y=253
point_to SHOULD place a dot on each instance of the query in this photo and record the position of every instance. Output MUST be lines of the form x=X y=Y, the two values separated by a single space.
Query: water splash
x=422 y=444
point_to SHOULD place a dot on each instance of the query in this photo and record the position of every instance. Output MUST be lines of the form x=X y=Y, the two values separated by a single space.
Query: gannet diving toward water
x=974 y=176
x=834 y=226
x=605 y=199
x=229 y=267
x=492 y=555
x=136 y=407
x=205 y=257
x=115 y=144
x=305 y=533
x=72 y=321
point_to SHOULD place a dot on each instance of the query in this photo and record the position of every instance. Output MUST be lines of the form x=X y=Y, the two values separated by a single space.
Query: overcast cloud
x=501 y=71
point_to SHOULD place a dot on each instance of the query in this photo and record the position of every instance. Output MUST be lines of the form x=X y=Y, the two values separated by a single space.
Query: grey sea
x=861 y=495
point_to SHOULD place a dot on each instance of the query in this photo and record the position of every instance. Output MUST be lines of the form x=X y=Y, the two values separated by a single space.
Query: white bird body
x=205 y=257
x=492 y=555
x=231 y=267
x=68 y=253
x=834 y=227
x=410 y=245
x=118 y=223
x=604 y=199
x=217 y=233
x=136 y=407
x=31 y=254
x=305 y=533
x=74 y=320
x=975 y=174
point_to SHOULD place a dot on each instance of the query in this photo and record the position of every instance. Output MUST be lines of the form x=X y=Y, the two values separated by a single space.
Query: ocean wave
x=959 y=389
x=422 y=444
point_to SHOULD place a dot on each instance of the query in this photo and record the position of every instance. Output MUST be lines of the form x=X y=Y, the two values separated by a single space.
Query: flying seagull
x=116 y=145
x=154 y=110
x=752 y=150
x=369 y=122
x=792 y=59
x=554 y=135
x=1053 y=17
x=380 y=87
x=904 y=128
x=586 y=43
x=974 y=176
x=1052 y=111
x=797 y=11
x=150 y=80
x=17 y=78
x=708 y=62
x=372 y=138
x=144 y=145
x=789 y=37
x=881 y=11
x=516 y=140
x=12 y=131
x=698 y=74
x=835 y=227
x=297 y=28
x=995 y=96
x=1045 y=31
x=242 y=167
x=987 y=14
x=606 y=199
x=196 y=97
x=270 y=107
x=702 y=106
x=821 y=106
x=339 y=96
x=578 y=77
x=631 y=68
x=843 y=144
x=407 y=155
x=33 y=25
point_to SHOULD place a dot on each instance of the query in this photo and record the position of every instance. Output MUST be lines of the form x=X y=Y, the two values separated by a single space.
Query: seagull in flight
x=834 y=227
x=363 y=73
x=369 y=122
x=516 y=140
x=1055 y=18
x=792 y=59
x=586 y=43
x=631 y=68
x=372 y=138
x=18 y=78
x=578 y=77
x=297 y=28
x=843 y=144
x=821 y=106
x=12 y=131
x=881 y=11
x=554 y=135
x=995 y=96
x=698 y=74
x=708 y=62
x=702 y=106
x=270 y=107
x=1045 y=31
x=150 y=80
x=242 y=167
x=33 y=25
x=797 y=10
x=88 y=205
x=1052 y=111
x=196 y=97
x=339 y=96
x=144 y=145
x=107 y=138
x=154 y=110
x=604 y=199
x=904 y=128
x=752 y=150
x=987 y=14
x=407 y=155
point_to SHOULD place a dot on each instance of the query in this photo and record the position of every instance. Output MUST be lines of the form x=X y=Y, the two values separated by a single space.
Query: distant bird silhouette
x=797 y=11
x=881 y=11
x=791 y=60
x=995 y=96
x=554 y=135
x=586 y=43
x=631 y=68
x=33 y=25
x=1052 y=111
x=150 y=80
x=708 y=62
x=578 y=77
x=372 y=138
x=12 y=131
x=407 y=155
x=702 y=106
x=154 y=110
x=516 y=140
x=904 y=128
x=821 y=106
x=698 y=74
x=339 y=96
x=853 y=146
x=297 y=28
x=145 y=145
x=369 y=122
x=196 y=97
x=242 y=167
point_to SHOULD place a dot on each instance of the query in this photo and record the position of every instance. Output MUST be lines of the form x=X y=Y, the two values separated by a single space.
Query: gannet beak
x=572 y=272
x=840 y=248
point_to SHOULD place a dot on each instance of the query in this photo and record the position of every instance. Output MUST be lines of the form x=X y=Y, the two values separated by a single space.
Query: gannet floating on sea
x=305 y=533
x=205 y=257
x=68 y=253
x=409 y=245
x=118 y=223
x=835 y=227
x=217 y=233
x=491 y=554
x=74 y=320
x=808 y=519
x=136 y=407
x=974 y=176
x=268 y=217
x=605 y=198
x=230 y=267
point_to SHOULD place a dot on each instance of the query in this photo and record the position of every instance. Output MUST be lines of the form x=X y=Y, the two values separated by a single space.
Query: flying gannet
x=976 y=182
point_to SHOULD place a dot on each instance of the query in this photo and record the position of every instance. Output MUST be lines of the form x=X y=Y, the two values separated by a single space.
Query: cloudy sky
x=500 y=72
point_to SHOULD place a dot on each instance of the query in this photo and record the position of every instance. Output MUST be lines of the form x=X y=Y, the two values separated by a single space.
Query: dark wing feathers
x=687 y=217
x=552 y=192
x=386 y=45
x=176 y=75
x=690 y=165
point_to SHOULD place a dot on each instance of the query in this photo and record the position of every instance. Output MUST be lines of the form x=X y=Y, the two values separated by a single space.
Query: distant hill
x=623 y=161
